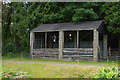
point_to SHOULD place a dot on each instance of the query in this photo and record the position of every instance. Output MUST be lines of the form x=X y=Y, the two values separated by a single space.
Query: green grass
x=54 y=71
x=25 y=57
x=50 y=70
x=102 y=63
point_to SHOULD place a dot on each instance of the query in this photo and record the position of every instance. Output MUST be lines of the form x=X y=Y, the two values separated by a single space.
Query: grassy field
x=45 y=68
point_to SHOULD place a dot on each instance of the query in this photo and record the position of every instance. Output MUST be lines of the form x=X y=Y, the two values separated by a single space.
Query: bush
x=107 y=73
x=11 y=51
x=81 y=75
x=12 y=48
x=7 y=48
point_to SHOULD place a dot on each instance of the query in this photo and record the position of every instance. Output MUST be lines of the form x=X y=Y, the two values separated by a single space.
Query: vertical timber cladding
x=95 y=45
x=61 y=43
x=32 y=38
x=105 y=50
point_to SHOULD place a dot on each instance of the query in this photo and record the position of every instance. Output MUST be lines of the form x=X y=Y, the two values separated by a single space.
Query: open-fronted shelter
x=71 y=41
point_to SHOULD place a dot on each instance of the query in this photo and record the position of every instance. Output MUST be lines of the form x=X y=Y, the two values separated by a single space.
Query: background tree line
x=19 y=18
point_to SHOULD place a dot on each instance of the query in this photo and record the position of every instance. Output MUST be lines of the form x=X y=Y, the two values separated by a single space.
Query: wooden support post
x=95 y=45
x=107 y=58
x=119 y=44
x=91 y=41
x=45 y=39
x=77 y=39
x=32 y=39
x=105 y=50
x=61 y=43
x=50 y=41
x=109 y=52
x=41 y=39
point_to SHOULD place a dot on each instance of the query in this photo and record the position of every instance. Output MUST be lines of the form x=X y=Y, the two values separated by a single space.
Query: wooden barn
x=70 y=41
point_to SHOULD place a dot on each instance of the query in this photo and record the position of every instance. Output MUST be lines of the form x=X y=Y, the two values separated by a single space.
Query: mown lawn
x=45 y=68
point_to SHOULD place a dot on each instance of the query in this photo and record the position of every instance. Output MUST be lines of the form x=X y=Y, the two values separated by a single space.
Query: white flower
x=27 y=29
x=11 y=23
x=17 y=74
x=5 y=76
x=21 y=72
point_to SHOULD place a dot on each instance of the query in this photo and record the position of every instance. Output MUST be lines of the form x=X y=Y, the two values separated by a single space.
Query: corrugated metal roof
x=87 y=25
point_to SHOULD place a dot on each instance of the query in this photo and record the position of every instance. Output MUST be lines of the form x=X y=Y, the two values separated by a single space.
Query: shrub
x=81 y=75
x=107 y=73
x=12 y=48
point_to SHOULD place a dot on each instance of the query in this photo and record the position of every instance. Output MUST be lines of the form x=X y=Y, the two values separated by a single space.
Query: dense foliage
x=112 y=16
x=20 y=18
x=108 y=73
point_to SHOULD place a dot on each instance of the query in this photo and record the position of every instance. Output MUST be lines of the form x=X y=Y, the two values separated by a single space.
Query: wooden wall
x=80 y=54
x=46 y=53
x=68 y=54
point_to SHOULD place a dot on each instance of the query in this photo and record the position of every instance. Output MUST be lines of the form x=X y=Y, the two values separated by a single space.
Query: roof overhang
x=71 y=26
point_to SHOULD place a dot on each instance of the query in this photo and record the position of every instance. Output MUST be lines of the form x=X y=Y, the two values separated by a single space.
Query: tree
x=111 y=16
x=6 y=20
x=20 y=18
